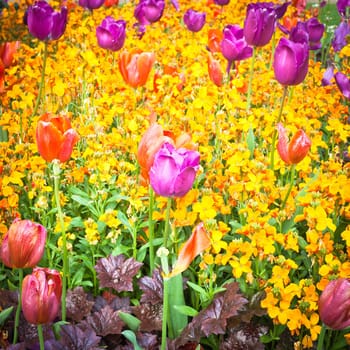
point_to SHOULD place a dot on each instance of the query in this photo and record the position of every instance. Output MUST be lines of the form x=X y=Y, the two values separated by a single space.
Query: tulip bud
x=221 y=2
x=294 y=151
x=215 y=72
x=173 y=171
x=259 y=24
x=334 y=304
x=41 y=295
x=7 y=52
x=44 y=23
x=291 y=62
x=149 y=11
x=91 y=4
x=55 y=137
x=194 y=20
x=23 y=245
x=343 y=84
x=111 y=34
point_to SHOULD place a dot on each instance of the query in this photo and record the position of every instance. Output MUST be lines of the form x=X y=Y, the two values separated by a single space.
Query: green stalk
x=321 y=338
x=41 y=337
x=167 y=222
x=151 y=229
x=291 y=184
x=42 y=82
x=19 y=306
x=273 y=144
x=249 y=96
x=56 y=176
x=163 y=254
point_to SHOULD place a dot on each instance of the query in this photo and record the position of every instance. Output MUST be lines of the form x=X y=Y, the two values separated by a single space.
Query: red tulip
x=196 y=244
x=135 y=67
x=294 y=151
x=215 y=37
x=41 y=295
x=7 y=52
x=214 y=69
x=23 y=245
x=55 y=137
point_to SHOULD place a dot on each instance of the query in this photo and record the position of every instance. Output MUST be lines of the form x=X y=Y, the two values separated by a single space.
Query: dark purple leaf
x=150 y=316
x=116 y=303
x=233 y=300
x=78 y=305
x=106 y=321
x=117 y=272
x=152 y=288
x=147 y=341
x=73 y=337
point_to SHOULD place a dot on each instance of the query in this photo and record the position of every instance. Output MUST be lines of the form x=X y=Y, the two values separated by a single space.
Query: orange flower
x=152 y=141
x=109 y=3
x=214 y=40
x=55 y=137
x=7 y=52
x=214 y=69
x=135 y=67
x=196 y=244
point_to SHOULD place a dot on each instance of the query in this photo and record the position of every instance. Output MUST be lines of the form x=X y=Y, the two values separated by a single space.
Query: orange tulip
x=196 y=244
x=214 y=40
x=152 y=141
x=7 y=52
x=55 y=137
x=215 y=72
x=110 y=3
x=135 y=67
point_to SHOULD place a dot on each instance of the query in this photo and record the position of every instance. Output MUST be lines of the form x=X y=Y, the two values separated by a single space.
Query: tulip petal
x=298 y=147
x=70 y=138
x=184 y=182
x=282 y=144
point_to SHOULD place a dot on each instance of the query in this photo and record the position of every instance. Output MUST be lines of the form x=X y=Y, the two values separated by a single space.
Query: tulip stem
x=321 y=337
x=249 y=96
x=291 y=184
x=151 y=229
x=274 y=136
x=42 y=82
x=56 y=176
x=19 y=306
x=41 y=336
x=163 y=254
x=167 y=222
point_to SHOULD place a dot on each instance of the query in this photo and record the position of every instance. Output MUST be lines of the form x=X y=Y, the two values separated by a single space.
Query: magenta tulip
x=91 y=4
x=194 y=20
x=334 y=304
x=41 y=295
x=343 y=84
x=23 y=245
x=111 y=34
x=173 y=171
x=291 y=62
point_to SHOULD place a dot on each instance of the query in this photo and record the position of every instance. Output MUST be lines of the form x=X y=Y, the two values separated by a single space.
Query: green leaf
x=197 y=288
x=86 y=202
x=186 y=310
x=131 y=321
x=124 y=220
x=4 y=314
x=132 y=339
x=251 y=142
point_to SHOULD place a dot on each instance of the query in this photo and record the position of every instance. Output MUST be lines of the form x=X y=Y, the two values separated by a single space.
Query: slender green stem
x=151 y=229
x=42 y=81
x=56 y=176
x=41 y=337
x=163 y=254
x=19 y=306
x=321 y=338
x=291 y=184
x=167 y=223
x=249 y=96
x=273 y=42
x=274 y=136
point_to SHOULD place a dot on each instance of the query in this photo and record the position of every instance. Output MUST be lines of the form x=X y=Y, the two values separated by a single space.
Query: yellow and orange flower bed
x=285 y=254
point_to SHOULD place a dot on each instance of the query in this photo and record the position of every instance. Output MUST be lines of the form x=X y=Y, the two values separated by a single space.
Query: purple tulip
x=149 y=11
x=194 y=20
x=343 y=84
x=221 y=2
x=44 y=23
x=279 y=9
x=111 y=34
x=259 y=24
x=315 y=30
x=340 y=34
x=233 y=45
x=299 y=33
x=291 y=62
x=173 y=171
x=341 y=6
x=91 y=4
x=328 y=76
x=334 y=304
x=175 y=3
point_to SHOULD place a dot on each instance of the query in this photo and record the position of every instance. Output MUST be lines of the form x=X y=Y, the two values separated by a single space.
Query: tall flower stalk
x=151 y=228
x=291 y=184
x=56 y=169
x=274 y=136
x=251 y=73
x=18 y=310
